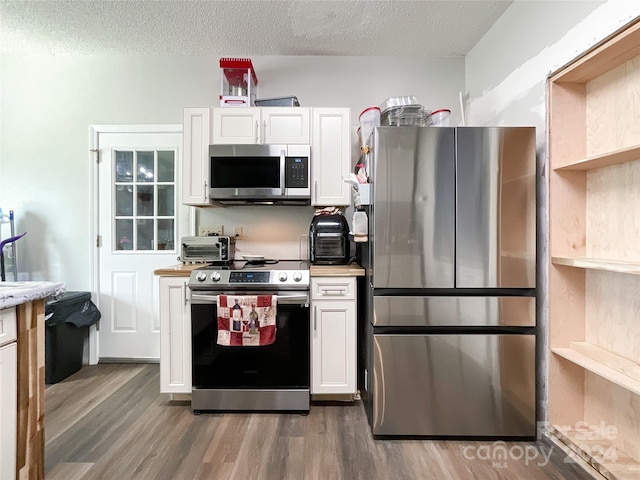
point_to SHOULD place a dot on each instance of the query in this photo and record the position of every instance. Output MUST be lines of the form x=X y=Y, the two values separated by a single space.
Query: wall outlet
x=237 y=231
x=205 y=230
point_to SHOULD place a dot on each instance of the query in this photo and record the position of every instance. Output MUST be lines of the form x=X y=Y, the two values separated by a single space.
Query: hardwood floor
x=109 y=422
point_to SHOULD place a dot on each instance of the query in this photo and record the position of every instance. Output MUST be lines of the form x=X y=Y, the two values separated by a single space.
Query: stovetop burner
x=252 y=274
x=250 y=263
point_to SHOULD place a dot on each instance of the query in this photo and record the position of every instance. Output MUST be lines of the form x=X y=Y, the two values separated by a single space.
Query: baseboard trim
x=128 y=360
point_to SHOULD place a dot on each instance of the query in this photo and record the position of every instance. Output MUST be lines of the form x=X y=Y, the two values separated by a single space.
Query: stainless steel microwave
x=260 y=174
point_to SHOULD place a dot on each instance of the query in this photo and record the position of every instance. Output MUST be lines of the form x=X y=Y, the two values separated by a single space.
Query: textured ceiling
x=427 y=28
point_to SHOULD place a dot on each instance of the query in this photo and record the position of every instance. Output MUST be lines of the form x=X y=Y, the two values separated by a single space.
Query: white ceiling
x=425 y=28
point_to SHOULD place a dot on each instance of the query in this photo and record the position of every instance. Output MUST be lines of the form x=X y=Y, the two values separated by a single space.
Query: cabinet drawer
x=336 y=288
x=8 y=326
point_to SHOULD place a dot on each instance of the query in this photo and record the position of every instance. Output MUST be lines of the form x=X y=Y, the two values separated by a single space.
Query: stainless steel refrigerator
x=449 y=324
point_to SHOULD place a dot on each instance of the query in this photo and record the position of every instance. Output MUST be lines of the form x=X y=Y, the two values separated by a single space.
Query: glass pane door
x=145 y=200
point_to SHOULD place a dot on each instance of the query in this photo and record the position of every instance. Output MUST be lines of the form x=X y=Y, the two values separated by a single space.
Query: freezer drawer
x=406 y=311
x=495 y=207
x=457 y=385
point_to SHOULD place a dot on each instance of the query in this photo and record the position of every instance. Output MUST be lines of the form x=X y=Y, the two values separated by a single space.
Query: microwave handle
x=257 y=131
x=283 y=154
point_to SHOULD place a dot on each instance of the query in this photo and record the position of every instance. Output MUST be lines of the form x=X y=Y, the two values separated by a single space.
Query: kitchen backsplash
x=272 y=231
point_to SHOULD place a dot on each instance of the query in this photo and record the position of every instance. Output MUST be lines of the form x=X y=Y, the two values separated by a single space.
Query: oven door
x=269 y=377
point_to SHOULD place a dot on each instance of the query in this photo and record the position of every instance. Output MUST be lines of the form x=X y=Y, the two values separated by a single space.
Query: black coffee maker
x=329 y=240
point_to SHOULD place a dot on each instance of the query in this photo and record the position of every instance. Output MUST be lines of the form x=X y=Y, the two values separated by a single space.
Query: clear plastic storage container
x=369 y=119
x=440 y=118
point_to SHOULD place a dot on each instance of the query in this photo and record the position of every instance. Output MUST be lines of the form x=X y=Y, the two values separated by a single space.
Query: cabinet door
x=195 y=170
x=331 y=159
x=8 y=325
x=8 y=410
x=282 y=125
x=175 y=336
x=333 y=347
x=236 y=125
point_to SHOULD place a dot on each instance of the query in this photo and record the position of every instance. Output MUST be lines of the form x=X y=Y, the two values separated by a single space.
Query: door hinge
x=97 y=154
x=98 y=241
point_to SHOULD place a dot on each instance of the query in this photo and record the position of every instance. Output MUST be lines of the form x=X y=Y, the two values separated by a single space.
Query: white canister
x=360 y=225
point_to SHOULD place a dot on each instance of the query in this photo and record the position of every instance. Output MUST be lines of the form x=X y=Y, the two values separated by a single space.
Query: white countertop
x=16 y=293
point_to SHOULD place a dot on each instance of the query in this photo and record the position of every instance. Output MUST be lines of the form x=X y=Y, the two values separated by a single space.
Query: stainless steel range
x=245 y=377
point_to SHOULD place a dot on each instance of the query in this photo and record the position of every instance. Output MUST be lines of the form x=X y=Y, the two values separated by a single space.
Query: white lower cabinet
x=175 y=335
x=8 y=394
x=333 y=335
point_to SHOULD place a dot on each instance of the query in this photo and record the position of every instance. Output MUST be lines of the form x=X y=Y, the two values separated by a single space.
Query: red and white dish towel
x=247 y=320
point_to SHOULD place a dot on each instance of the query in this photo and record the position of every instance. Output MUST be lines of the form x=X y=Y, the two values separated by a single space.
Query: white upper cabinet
x=195 y=163
x=327 y=130
x=330 y=157
x=289 y=126
x=261 y=125
x=236 y=125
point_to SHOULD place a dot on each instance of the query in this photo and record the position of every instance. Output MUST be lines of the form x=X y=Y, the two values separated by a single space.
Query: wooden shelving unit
x=584 y=443
x=604 y=160
x=594 y=275
x=609 y=366
x=618 y=266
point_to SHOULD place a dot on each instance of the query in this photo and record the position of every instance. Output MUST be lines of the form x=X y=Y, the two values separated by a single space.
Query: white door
x=140 y=223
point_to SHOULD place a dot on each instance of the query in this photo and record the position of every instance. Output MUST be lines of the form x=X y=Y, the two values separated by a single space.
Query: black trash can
x=67 y=321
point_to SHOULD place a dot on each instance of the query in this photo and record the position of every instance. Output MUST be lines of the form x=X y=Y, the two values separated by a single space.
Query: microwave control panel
x=297 y=172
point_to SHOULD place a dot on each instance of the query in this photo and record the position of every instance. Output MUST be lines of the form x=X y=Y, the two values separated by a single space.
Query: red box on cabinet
x=238 y=82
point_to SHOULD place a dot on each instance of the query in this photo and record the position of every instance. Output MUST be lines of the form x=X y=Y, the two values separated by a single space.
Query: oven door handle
x=287 y=299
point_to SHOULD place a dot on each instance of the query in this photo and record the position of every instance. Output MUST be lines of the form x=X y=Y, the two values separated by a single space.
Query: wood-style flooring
x=109 y=421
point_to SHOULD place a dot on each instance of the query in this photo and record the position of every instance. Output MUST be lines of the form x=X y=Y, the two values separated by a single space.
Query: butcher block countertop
x=180 y=270
x=352 y=270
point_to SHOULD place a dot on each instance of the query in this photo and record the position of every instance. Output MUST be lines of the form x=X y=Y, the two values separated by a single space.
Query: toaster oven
x=211 y=249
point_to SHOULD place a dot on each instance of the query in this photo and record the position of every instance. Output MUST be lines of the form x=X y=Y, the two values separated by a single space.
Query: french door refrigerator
x=449 y=306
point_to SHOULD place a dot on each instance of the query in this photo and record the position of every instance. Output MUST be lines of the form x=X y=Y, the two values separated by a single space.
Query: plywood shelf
x=592 y=446
x=604 y=160
x=612 y=367
x=617 y=266
x=594 y=270
x=605 y=57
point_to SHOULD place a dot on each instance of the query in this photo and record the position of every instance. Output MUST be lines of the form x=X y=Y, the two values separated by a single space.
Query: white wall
x=505 y=80
x=49 y=102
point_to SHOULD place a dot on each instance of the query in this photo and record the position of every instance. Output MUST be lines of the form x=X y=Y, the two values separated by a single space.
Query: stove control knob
x=297 y=276
x=201 y=276
x=215 y=276
x=282 y=276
